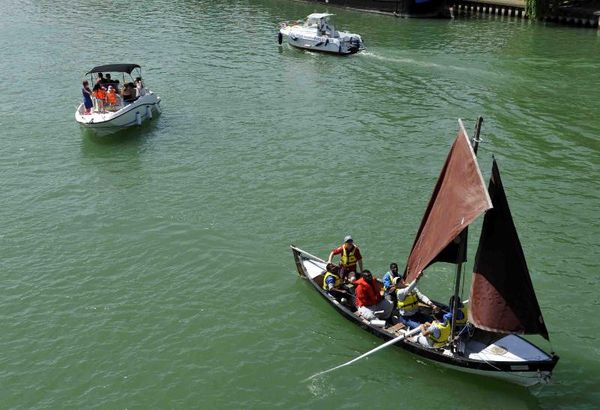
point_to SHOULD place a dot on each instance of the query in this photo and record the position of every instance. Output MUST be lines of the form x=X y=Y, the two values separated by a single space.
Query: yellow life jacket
x=444 y=334
x=338 y=280
x=409 y=303
x=463 y=321
x=348 y=259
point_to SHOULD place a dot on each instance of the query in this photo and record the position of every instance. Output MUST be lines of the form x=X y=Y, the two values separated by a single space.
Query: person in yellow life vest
x=350 y=258
x=332 y=279
x=462 y=314
x=408 y=298
x=111 y=97
x=434 y=334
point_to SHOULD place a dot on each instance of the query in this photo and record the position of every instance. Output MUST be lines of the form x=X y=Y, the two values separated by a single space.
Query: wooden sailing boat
x=502 y=302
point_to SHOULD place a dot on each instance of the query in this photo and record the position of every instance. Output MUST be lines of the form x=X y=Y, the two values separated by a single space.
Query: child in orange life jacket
x=100 y=95
x=111 y=97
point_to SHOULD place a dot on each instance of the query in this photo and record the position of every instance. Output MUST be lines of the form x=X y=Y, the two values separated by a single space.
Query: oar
x=386 y=344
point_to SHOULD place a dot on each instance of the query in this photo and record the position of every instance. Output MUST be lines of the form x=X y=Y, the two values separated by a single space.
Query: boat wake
x=412 y=61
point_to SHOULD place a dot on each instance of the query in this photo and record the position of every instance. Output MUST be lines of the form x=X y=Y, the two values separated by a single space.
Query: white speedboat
x=131 y=105
x=317 y=33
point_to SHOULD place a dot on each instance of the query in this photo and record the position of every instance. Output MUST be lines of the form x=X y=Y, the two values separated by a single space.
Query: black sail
x=502 y=296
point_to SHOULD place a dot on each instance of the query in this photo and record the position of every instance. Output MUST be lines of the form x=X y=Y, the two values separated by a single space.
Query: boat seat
x=395 y=329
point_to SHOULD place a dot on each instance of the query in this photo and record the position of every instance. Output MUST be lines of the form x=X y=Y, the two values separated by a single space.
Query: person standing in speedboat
x=140 y=91
x=87 y=98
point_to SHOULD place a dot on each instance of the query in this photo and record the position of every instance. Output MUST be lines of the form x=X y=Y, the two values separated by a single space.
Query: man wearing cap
x=369 y=302
x=349 y=257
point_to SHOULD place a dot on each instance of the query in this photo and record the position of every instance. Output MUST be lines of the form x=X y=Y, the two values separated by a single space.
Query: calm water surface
x=152 y=270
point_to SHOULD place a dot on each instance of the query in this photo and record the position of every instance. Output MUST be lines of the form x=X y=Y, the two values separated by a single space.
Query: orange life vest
x=111 y=97
x=100 y=94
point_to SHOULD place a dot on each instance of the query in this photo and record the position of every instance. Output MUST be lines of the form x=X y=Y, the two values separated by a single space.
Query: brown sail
x=502 y=296
x=458 y=198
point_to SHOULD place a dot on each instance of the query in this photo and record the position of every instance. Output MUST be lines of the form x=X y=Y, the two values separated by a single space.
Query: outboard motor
x=354 y=45
x=279 y=38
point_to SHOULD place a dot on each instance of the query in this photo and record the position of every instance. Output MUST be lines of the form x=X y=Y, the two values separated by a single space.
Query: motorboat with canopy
x=502 y=306
x=317 y=33
x=132 y=103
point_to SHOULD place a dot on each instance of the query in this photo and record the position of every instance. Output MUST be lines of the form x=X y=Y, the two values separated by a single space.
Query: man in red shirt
x=349 y=257
x=369 y=301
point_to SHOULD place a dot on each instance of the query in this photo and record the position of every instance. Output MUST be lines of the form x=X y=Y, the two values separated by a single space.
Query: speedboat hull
x=506 y=357
x=342 y=46
x=135 y=113
x=309 y=39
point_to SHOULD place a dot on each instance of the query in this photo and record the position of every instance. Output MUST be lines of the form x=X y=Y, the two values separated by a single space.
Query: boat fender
x=340 y=49
x=149 y=111
x=138 y=118
x=158 y=110
x=279 y=38
x=326 y=42
x=378 y=323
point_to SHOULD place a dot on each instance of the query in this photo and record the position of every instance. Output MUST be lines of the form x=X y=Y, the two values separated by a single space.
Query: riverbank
x=578 y=13
x=584 y=13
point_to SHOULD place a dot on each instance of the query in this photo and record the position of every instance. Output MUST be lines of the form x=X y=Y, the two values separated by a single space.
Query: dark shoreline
x=583 y=13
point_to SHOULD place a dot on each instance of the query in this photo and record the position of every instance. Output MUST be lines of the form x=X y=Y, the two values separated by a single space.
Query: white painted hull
x=309 y=39
x=510 y=357
x=526 y=379
x=129 y=115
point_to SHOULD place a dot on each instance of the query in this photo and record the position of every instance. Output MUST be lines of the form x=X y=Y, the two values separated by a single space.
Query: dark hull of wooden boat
x=522 y=372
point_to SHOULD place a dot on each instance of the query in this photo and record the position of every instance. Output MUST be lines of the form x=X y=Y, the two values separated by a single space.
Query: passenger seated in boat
x=332 y=278
x=112 y=98
x=461 y=315
x=434 y=334
x=334 y=284
x=388 y=282
x=369 y=301
x=408 y=297
x=128 y=93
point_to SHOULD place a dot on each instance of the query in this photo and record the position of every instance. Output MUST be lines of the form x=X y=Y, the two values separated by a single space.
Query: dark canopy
x=114 y=68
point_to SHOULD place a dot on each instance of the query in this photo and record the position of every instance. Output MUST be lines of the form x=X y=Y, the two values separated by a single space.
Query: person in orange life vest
x=350 y=258
x=100 y=95
x=111 y=96
x=369 y=301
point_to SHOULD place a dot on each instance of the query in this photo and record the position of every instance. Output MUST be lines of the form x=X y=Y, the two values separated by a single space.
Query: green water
x=152 y=269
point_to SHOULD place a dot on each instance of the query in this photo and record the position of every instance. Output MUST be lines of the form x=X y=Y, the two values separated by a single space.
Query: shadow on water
x=120 y=136
x=123 y=145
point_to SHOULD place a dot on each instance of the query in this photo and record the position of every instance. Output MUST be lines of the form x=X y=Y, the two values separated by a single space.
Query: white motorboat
x=132 y=103
x=317 y=33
